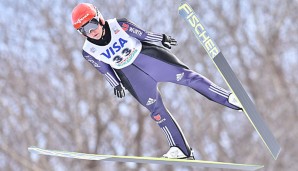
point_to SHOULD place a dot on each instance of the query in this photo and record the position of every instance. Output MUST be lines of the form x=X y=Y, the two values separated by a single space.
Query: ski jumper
x=126 y=55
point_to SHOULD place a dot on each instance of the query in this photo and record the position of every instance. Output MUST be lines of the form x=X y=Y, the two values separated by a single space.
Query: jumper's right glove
x=119 y=91
x=168 y=41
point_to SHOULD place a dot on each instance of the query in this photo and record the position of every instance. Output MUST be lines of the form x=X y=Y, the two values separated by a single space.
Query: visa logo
x=116 y=47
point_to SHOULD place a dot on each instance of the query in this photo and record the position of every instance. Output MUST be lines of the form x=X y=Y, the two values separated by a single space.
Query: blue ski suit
x=140 y=76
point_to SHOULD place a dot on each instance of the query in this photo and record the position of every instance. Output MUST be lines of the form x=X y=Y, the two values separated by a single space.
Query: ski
x=144 y=160
x=186 y=12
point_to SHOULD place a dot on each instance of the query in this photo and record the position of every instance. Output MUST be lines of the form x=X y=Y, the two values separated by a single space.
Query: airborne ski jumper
x=129 y=59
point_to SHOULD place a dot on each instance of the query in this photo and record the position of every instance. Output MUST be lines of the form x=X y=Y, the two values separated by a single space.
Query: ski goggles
x=88 y=27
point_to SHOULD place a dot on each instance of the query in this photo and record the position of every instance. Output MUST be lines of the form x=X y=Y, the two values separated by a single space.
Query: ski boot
x=176 y=153
x=233 y=100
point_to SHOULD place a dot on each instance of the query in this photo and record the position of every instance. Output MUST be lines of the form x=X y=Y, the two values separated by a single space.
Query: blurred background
x=52 y=98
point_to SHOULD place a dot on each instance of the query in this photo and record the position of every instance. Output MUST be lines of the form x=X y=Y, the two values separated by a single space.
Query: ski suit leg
x=169 y=72
x=144 y=88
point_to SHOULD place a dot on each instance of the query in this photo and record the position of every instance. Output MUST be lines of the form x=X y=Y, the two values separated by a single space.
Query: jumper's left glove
x=168 y=41
x=119 y=91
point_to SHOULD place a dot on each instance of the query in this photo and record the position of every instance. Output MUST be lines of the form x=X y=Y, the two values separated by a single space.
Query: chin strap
x=102 y=29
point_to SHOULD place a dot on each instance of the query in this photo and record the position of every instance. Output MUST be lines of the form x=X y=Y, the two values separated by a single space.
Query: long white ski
x=146 y=160
x=226 y=71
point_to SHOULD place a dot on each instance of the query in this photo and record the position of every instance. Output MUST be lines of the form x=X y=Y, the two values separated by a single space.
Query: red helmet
x=83 y=13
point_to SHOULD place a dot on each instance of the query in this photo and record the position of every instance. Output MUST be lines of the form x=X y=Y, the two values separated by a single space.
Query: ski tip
x=184 y=7
x=31 y=149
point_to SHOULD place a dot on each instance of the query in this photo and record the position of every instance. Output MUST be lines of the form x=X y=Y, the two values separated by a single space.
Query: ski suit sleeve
x=103 y=68
x=133 y=30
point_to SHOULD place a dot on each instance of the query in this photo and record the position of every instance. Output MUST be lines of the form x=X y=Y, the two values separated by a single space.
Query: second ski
x=230 y=78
